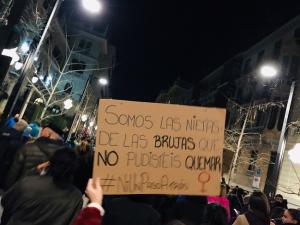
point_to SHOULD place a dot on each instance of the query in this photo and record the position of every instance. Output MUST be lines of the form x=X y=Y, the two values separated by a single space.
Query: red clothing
x=88 y=216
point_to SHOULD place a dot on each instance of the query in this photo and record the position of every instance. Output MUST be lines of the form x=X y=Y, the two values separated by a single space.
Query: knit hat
x=20 y=125
x=55 y=128
x=32 y=131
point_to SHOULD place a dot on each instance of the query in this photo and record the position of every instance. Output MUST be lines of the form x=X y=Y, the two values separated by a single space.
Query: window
x=285 y=65
x=68 y=38
x=247 y=66
x=260 y=119
x=48 y=3
x=273 y=117
x=48 y=40
x=277 y=49
x=78 y=66
x=297 y=36
x=260 y=57
x=81 y=44
x=57 y=55
x=39 y=68
x=252 y=162
x=281 y=118
x=88 y=46
x=85 y=46
x=294 y=67
x=68 y=88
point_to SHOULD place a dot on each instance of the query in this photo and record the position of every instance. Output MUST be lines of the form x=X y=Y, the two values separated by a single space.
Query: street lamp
x=93 y=6
x=103 y=81
x=34 y=79
x=25 y=47
x=11 y=53
x=268 y=71
x=68 y=104
x=84 y=118
x=18 y=66
x=294 y=154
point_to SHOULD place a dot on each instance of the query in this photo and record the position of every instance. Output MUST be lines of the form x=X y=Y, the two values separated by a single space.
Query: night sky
x=158 y=41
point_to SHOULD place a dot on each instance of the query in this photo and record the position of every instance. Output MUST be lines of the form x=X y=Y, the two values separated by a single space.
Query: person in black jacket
x=130 y=211
x=189 y=209
x=31 y=155
x=291 y=217
x=45 y=200
x=215 y=215
x=10 y=141
x=85 y=165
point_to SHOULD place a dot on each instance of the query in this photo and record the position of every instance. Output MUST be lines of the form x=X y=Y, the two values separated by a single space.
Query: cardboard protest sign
x=149 y=148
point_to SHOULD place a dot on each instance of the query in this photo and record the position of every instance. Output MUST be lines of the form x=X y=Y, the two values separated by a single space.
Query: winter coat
x=189 y=208
x=127 y=212
x=37 y=200
x=29 y=157
x=84 y=171
x=243 y=220
x=10 y=141
x=223 y=201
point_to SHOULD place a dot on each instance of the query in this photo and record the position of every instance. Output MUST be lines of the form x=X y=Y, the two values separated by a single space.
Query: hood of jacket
x=48 y=146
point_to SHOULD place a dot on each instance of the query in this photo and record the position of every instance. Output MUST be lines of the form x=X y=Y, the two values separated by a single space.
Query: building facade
x=71 y=60
x=255 y=111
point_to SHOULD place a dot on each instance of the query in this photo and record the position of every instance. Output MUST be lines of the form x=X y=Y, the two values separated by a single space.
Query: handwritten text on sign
x=147 y=148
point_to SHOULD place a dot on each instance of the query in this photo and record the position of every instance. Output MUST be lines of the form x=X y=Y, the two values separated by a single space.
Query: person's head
x=198 y=200
x=175 y=222
x=215 y=215
x=223 y=190
x=223 y=180
x=277 y=212
x=32 y=131
x=291 y=216
x=85 y=146
x=21 y=125
x=52 y=132
x=278 y=198
x=246 y=199
x=73 y=137
x=63 y=165
x=258 y=203
x=49 y=133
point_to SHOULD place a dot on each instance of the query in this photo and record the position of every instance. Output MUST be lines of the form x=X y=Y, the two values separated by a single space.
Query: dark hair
x=295 y=214
x=279 y=195
x=215 y=215
x=63 y=165
x=175 y=222
x=277 y=212
x=259 y=204
x=179 y=222
x=53 y=127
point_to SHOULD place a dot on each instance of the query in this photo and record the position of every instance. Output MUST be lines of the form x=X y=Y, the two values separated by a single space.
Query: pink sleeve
x=221 y=201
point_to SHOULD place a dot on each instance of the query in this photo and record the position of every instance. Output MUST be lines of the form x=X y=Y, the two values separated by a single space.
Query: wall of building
x=239 y=80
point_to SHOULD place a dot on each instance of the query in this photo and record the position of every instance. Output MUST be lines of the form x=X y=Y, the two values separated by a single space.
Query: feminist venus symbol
x=203 y=178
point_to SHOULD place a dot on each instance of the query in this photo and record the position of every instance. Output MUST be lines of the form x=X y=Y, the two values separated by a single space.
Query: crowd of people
x=46 y=180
